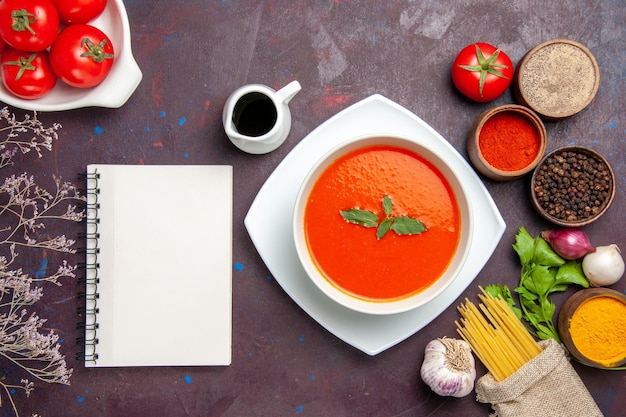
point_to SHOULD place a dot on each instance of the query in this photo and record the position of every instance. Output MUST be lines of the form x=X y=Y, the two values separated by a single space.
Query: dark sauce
x=254 y=114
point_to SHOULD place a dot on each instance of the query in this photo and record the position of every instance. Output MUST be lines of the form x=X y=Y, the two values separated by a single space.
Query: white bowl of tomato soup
x=382 y=224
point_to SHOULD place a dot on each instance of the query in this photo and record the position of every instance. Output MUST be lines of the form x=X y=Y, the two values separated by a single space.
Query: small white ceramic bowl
x=113 y=92
x=397 y=305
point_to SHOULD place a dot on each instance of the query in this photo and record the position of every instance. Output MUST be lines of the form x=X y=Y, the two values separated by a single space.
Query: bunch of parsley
x=543 y=272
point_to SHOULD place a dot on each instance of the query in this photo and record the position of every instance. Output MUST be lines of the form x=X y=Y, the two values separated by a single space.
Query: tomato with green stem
x=29 y=25
x=82 y=55
x=27 y=75
x=482 y=72
x=79 y=11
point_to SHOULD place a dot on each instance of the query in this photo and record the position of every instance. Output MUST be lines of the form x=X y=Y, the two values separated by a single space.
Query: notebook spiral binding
x=91 y=267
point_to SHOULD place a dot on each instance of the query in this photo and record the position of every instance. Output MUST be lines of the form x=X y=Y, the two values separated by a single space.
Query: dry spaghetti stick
x=488 y=345
x=480 y=343
x=481 y=337
x=511 y=351
x=486 y=357
x=506 y=349
x=500 y=340
x=509 y=322
x=513 y=325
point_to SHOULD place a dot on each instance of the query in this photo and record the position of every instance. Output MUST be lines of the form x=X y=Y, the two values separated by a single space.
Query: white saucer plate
x=269 y=224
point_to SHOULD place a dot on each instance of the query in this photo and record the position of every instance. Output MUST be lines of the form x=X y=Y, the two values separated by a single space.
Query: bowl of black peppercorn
x=572 y=186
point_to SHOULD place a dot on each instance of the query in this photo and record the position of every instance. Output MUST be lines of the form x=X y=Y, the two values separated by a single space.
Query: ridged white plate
x=117 y=87
x=269 y=223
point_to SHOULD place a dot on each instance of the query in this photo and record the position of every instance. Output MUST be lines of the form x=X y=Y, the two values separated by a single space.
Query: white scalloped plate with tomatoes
x=117 y=87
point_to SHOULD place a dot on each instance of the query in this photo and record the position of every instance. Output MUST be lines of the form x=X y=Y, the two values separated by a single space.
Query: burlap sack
x=546 y=386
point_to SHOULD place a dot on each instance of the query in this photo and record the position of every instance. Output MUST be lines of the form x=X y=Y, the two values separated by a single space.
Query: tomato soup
x=351 y=256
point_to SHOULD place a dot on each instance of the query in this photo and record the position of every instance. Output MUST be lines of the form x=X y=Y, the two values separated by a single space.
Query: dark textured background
x=193 y=54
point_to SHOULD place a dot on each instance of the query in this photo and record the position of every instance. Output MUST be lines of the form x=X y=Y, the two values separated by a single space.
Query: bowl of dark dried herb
x=572 y=186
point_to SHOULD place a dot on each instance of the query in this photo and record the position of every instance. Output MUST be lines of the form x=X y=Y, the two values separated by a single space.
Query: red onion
x=570 y=243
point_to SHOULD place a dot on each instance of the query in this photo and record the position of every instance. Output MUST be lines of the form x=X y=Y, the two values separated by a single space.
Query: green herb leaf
x=496 y=290
x=543 y=332
x=387 y=205
x=533 y=309
x=572 y=273
x=545 y=255
x=405 y=225
x=541 y=280
x=363 y=218
x=559 y=288
x=525 y=294
x=401 y=225
x=543 y=272
x=548 y=308
x=383 y=228
x=504 y=292
x=524 y=246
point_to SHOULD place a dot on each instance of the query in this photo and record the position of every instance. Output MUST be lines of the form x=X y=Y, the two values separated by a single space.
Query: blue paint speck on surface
x=147 y=129
x=80 y=399
x=182 y=121
x=299 y=409
x=312 y=377
x=238 y=266
x=162 y=113
x=185 y=155
x=269 y=278
x=12 y=391
x=98 y=130
x=301 y=339
x=613 y=125
x=187 y=379
x=41 y=272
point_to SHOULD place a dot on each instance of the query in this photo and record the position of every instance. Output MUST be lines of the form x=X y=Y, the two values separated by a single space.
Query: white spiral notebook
x=158 y=266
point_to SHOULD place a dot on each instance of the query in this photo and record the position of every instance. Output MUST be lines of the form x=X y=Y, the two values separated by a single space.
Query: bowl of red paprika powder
x=506 y=142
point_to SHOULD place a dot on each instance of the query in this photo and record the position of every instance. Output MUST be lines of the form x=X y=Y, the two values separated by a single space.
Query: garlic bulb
x=449 y=367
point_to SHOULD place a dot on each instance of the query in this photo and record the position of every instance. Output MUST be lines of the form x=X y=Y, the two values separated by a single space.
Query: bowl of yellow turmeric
x=592 y=326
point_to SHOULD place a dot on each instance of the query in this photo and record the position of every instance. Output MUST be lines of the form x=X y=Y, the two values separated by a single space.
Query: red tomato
x=482 y=72
x=27 y=75
x=82 y=55
x=79 y=11
x=28 y=25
